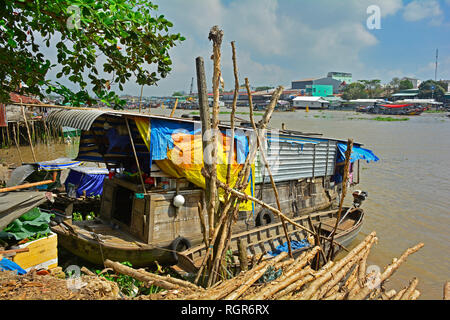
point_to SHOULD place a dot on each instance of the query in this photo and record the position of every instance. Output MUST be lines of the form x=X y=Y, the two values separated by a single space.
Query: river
x=409 y=188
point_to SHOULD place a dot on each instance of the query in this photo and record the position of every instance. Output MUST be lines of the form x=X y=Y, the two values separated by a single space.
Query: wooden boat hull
x=267 y=238
x=95 y=247
x=94 y=251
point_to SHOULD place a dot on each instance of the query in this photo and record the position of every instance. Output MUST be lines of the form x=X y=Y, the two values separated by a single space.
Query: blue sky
x=279 y=41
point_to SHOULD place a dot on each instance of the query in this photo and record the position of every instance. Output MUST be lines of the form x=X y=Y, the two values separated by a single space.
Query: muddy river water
x=409 y=188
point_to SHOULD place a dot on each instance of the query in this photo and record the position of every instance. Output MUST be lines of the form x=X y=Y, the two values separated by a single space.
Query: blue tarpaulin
x=357 y=154
x=161 y=138
x=294 y=246
x=86 y=178
x=8 y=265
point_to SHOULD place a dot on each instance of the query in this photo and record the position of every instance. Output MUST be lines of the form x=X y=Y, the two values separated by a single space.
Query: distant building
x=341 y=76
x=336 y=84
x=310 y=102
x=415 y=82
x=406 y=94
x=301 y=84
x=319 y=90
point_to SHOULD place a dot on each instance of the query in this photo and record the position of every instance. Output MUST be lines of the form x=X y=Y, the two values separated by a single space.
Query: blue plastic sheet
x=294 y=246
x=92 y=183
x=357 y=154
x=161 y=138
x=8 y=265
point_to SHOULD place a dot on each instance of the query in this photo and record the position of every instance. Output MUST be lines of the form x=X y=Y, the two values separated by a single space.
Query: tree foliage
x=405 y=84
x=355 y=90
x=426 y=90
x=99 y=44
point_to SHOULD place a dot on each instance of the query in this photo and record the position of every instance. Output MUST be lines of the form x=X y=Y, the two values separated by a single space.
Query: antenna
x=435 y=70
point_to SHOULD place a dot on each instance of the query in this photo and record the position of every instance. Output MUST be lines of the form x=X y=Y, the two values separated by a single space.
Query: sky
x=278 y=41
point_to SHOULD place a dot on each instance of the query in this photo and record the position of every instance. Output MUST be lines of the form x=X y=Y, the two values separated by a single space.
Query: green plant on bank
x=128 y=285
x=380 y=119
x=389 y=119
x=435 y=111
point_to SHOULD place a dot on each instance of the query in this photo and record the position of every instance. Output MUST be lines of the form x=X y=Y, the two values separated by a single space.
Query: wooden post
x=348 y=154
x=447 y=291
x=140 y=99
x=17 y=144
x=233 y=112
x=174 y=108
x=266 y=163
x=206 y=125
x=135 y=156
x=28 y=132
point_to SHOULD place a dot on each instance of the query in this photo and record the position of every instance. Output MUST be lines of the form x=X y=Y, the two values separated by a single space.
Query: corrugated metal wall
x=293 y=159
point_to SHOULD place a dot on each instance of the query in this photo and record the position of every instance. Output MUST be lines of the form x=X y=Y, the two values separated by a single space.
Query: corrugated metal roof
x=78 y=119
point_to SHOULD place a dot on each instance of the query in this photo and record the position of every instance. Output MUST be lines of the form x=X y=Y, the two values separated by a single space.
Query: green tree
x=355 y=90
x=405 y=84
x=426 y=90
x=177 y=94
x=372 y=87
x=99 y=43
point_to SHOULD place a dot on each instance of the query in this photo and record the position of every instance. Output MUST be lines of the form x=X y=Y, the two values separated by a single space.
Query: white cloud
x=277 y=41
x=423 y=9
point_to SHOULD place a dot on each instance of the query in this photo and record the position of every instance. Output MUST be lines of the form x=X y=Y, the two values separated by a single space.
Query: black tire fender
x=264 y=218
x=175 y=247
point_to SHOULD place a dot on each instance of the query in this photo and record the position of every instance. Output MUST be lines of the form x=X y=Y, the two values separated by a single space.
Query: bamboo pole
x=348 y=154
x=28 y=132
x=136 y=157
x=17 y=144
x=233 y=111
x=140 y=98
x=266 y=163
x=174 y=108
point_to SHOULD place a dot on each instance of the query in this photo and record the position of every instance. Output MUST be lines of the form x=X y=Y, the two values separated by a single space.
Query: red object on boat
x=395 y=105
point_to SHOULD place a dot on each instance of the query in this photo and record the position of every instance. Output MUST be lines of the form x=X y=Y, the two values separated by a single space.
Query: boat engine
x=358 y=197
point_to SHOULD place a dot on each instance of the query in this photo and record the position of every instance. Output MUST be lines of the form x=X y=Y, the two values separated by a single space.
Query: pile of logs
x=346 y=279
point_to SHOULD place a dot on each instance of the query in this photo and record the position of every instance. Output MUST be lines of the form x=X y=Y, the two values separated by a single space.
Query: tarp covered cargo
x=85 y=179
x=176 y=147
x=15 y=204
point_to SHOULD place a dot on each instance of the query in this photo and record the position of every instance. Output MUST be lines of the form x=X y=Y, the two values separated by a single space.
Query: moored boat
x=149 y=205
x=271 y=240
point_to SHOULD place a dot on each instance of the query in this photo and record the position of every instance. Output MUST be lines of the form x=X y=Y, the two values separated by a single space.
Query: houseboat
x=149 y=205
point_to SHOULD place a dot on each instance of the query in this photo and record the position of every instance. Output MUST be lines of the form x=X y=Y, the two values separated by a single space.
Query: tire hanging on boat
x=264 y=218
x=178 y=245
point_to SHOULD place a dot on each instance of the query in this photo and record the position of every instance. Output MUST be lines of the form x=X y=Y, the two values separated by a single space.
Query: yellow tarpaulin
x=185 y=160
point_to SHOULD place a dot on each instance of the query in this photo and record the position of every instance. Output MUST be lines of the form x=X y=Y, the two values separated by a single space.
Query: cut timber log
x=291 y=275
x=254 y=277
x=163 y=282
x=346 y=263
x=286 y=294
x=336 y=277
x=410 y=289
x=387 y=272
